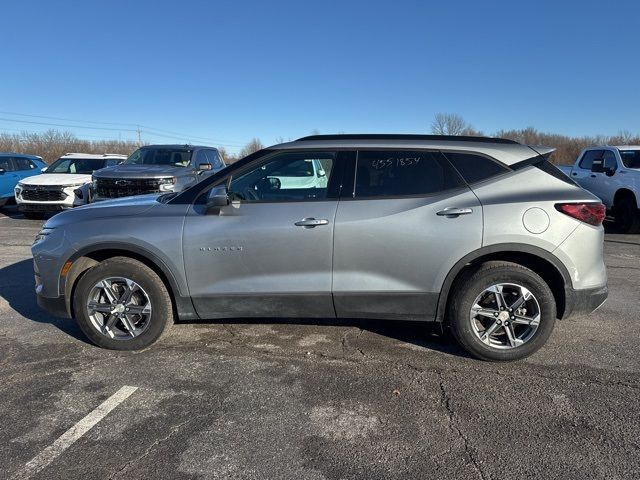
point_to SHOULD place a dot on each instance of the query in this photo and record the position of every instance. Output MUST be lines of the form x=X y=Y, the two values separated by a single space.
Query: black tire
x=159 y=321
x=626 y=215
x=472 y=283
x=33 y=215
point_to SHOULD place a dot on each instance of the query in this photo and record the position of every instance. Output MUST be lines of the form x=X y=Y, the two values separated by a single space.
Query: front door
x=269 y=252
x=409 y=219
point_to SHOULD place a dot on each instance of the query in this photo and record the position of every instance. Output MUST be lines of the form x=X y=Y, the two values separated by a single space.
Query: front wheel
x=122 y=304
x=501 y=311
x=626 y=215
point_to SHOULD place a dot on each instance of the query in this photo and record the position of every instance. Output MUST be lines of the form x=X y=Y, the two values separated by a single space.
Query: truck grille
x=43 y=194
x=120 y=187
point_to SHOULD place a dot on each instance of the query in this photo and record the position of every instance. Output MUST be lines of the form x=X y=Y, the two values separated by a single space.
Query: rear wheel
x=627 y=218
x=501 y=311
x=122 y=304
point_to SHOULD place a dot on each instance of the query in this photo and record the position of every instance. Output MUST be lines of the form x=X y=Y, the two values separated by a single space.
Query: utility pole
x=139 y=137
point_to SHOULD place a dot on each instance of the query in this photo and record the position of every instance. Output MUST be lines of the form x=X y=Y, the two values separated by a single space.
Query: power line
x=230 y=143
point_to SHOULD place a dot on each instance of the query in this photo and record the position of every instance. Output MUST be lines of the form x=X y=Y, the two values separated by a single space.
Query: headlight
x=94 y=184
x=18 y=190
x=167 y=184
x=44 y=233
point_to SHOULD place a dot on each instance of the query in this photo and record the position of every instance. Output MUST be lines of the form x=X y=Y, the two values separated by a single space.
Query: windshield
x=630 y=158
x=178 y=157
x=76 y=165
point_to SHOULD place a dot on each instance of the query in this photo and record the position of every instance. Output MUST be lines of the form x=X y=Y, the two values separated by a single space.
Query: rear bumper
x=583 y=302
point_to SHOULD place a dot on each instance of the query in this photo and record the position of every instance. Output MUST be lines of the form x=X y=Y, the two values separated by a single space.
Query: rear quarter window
x=475 y=168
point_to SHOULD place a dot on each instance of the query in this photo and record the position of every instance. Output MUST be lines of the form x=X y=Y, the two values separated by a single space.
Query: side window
x=110 y=162
x=609 y=160
x=473 y=167
x=214 y=159
x=24 y=163
x=6 y=164
x=588 y=157
x=287 y=176
x=400 y=173
x=201 y=157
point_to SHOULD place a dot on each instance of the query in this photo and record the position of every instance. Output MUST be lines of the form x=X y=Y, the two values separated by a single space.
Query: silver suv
x=482 y=235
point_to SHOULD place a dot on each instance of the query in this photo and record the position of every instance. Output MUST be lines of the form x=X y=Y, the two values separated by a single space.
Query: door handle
x=593 y=176
x=574 y=174
x=311 y=222
x=454 y=212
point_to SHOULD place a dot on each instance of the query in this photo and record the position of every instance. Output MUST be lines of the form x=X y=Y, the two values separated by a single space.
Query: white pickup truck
x=613 y=174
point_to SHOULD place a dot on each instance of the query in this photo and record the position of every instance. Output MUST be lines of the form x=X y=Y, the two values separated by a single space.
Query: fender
x=184 y=306
x=500 y=248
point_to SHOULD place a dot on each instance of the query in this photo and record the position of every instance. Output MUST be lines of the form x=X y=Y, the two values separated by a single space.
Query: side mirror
x=609 y=172
x=44 y=170
x=1 y=171
x=321 y=173
x=203 y=167
x=218 y=197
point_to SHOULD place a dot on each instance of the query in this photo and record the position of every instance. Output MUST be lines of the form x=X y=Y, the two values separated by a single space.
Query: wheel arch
x=542 y=262
x=626 y=192
x=87 y=257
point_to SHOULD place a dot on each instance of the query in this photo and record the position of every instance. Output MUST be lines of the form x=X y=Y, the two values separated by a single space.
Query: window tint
x=630 y=158
x=475 y=168
x=588 y=157
x=201 y=157
x=24 y=163
x=110 y=162
x=285 y=177
x=214 y=158
x=399 y=173
x=76 y=165
x=609 y=160
x=6 y=164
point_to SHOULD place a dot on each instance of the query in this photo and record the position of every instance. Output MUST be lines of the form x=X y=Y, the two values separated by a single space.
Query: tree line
x=52 y=144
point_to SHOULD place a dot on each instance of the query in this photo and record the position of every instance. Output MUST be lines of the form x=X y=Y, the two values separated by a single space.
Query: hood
x=56 y=179
x=119 y=207
x=140 y=171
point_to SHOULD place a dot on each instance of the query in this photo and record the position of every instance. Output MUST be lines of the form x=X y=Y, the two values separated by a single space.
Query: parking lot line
x=65 y=440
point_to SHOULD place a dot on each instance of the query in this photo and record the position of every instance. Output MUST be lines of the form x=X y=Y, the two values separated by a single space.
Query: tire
x=626 y=215
x=150 y=297
x=33 y=215
x=476 y=284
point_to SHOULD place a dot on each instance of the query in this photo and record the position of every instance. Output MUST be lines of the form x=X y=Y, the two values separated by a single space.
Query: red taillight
x=591 y=213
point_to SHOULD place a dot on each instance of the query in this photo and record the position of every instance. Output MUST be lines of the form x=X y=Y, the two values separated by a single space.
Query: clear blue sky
x=233 y=70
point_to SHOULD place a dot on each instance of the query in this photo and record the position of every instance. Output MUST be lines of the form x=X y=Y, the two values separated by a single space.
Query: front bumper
x=54 y=306
x=43 y=207
x=585 y=301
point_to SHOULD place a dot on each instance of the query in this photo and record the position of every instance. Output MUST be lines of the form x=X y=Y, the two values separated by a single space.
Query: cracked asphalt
x=318 y=400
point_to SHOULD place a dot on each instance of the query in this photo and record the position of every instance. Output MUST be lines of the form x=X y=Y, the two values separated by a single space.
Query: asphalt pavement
x=315 y=400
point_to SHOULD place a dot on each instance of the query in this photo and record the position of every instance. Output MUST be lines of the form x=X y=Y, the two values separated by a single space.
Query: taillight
x=591 y=213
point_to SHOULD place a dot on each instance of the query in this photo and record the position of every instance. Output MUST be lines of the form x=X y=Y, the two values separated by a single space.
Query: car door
x=8 y=177
x=582 y=173
x=407 y=221
x=269 y=252
x=25 y=167
x=603 y=185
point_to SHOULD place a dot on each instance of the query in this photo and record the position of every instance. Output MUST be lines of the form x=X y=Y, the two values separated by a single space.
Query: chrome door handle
x=454 y=212
x=311 y=222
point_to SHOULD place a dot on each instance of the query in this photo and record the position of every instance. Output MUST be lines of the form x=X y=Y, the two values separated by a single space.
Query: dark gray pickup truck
x=156 y=169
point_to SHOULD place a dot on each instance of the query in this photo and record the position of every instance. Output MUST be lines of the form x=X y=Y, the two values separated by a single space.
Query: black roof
x=401 y=136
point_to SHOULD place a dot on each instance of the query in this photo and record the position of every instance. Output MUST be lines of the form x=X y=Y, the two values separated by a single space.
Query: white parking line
x=65 y=440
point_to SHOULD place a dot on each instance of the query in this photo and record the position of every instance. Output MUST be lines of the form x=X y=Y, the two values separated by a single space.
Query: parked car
x=13 y=168
x=64 y=184
x=613 y=174
x=157 y=169
x=482 y=235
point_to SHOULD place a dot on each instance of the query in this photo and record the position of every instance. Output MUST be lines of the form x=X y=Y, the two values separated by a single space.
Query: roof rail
x=401 y=136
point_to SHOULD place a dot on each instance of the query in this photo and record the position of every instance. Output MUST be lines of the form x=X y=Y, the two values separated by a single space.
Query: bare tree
x=449 y=124
x=251 y=147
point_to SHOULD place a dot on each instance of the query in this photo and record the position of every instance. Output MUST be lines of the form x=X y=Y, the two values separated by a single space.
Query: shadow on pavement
x=17 y=288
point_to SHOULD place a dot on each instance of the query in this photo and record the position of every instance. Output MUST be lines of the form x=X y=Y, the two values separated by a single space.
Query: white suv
x=64 y=184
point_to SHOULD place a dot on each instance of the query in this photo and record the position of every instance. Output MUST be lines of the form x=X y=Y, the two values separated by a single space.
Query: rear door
x=406 y=221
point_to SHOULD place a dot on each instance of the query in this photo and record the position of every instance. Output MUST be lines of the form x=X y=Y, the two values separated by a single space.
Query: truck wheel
x=122 y=304
x=626 y=215
x=501 y=311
